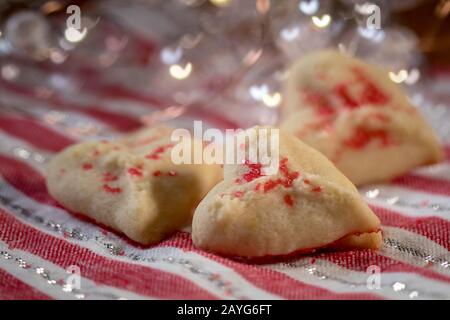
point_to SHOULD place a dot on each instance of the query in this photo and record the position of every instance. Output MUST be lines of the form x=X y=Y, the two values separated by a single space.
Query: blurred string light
x=73 y=35
x=10 y=72
x=314 y=20
x=404 y=76
x=171 y=56
x=366 y=8
x=57 y=56
x=189 y=41
x=179 y=72
x=376 y=35
x=321 y=22
x=221 y=3
x=261 y=93
x=273 y=100
x=27 y=33
x=310 y=7
x=398 y=77
x=290 y=34
x=258 y=92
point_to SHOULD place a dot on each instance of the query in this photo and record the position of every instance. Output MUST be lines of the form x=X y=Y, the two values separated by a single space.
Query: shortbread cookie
x=356 y=116
x=307 y=205
x=130 y=184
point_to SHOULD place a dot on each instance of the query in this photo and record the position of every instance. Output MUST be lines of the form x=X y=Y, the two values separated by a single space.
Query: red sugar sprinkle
x=362 y=137
x=341 y=91
x=254 y=173
x=87 y=166
x=157 y=173
x=288 y=200
x=381 y=117
x=156 y=154
x=271 y=184
x=322 y=104
x=286 y=181
x=290 y=176
x=317 y=189
x=135 y=172
x=283 y=166
x=108 y=176
x=111 y=189
x=238 y=194
x=306 y=181
x=371 y=93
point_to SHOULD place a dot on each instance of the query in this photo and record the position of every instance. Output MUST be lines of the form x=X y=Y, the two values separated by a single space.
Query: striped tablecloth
x=48 y=253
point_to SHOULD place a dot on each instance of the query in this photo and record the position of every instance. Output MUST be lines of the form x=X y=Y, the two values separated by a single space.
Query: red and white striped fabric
x=48 y=253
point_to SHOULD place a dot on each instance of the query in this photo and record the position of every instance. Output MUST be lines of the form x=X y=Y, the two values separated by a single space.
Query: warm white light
x=220 y=3
x=398 y=286
x=322 y=22
x=73 y=35
x=398 y=77
x=273 y=100
x=180 y=73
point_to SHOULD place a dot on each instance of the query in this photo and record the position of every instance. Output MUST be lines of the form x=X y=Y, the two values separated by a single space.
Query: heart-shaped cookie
x=307 y=204
x=356 y=116
x=131 y=184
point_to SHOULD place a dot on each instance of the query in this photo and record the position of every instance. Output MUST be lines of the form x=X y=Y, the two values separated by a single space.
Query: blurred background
x=127 y=63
